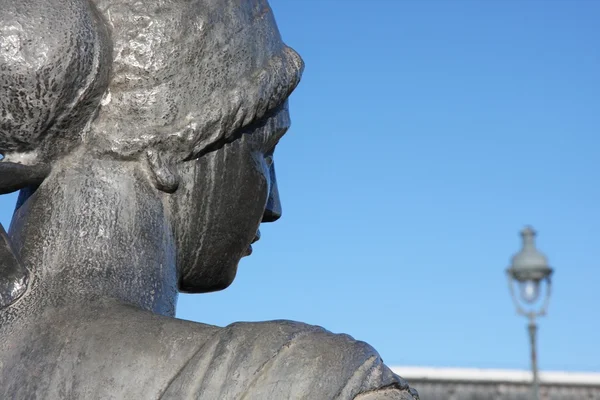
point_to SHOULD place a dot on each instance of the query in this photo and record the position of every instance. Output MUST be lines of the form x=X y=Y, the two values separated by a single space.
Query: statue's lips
x=257 y=236
x=256 y=239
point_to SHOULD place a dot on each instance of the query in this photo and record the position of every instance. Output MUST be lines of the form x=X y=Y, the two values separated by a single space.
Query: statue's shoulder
x=122 y=352
x=282 y=360
x=96 y=353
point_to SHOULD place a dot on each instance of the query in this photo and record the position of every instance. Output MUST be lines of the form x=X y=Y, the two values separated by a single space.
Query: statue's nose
x=273 y=209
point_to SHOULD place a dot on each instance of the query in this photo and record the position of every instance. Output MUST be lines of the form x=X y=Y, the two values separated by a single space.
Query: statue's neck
x=97 y=230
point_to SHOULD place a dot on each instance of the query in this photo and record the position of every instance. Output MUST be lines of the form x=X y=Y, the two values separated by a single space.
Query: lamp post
x=529 y=271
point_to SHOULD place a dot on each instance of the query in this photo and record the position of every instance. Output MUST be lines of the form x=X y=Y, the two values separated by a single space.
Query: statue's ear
x=163 y=172
x=15 y=176
x=14 y=278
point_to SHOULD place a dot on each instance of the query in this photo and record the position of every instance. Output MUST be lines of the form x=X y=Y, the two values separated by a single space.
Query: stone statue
x=141 y=135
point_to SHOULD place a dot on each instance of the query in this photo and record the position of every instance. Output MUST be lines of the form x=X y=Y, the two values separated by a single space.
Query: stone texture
x=141 y=136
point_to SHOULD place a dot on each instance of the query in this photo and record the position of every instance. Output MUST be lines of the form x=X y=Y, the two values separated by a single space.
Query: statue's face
x=225 y=194
x=221 y=201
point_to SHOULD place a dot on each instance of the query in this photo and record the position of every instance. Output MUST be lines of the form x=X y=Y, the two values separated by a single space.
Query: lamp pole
x=532 y=327
x=530 y=271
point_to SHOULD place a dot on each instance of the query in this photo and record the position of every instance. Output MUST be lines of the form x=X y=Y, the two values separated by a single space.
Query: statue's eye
x=273 y=129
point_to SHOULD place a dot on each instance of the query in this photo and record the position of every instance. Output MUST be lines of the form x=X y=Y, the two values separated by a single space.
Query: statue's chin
x=206 y=279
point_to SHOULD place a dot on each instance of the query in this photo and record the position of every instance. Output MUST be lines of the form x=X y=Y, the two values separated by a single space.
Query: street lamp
x=529 y=271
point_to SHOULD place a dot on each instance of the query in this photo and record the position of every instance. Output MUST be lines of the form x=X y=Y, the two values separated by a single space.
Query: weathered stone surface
x=141 y=136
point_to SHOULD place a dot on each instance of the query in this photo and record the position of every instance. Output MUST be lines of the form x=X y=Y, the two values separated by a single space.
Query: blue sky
x=425 y=135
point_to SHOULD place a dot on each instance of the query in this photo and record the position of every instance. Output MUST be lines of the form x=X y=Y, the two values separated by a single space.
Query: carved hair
x=185 y=80
x=181 y=84
x=55 y=61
